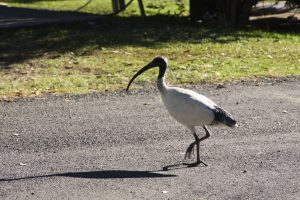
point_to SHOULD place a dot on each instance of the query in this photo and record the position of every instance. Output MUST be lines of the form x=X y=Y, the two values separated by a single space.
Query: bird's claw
x=195 y=164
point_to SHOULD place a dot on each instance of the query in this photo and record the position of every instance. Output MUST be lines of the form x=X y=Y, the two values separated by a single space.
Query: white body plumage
x=186 y=106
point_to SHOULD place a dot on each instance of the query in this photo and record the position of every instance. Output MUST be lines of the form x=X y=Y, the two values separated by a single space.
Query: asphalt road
x=114 y=145
x=12 y=17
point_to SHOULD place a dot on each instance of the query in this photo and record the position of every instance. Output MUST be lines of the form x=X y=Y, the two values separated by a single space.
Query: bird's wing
x=189 y=107
x=197 y=97
x=223 y=116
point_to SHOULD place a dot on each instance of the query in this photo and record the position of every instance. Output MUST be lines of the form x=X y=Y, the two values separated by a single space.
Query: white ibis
x=187 y=107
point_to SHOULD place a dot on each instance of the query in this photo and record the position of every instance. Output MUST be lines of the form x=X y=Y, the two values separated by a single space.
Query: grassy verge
x=101 y=6
x=85 y=57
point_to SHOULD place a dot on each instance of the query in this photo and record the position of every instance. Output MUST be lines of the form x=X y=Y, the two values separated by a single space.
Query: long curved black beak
x=147 y=67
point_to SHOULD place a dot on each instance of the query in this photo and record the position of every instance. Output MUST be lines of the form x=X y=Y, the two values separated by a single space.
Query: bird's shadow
x=105 y=174
x=182 y=165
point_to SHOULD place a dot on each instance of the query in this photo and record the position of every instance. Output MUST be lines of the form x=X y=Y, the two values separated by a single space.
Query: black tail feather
x=224 y=117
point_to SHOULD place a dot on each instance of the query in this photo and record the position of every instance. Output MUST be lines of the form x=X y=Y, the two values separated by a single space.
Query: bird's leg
x=190 y=149
x=207 y=135
x=197 y=143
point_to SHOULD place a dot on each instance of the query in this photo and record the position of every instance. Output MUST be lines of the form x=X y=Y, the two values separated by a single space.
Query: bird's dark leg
x=191 y=148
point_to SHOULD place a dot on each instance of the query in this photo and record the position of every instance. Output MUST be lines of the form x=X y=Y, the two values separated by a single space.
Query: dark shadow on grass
x=81 y=38
x=19 y=45
x=277 y=24
x=106 y=174
x=14 y=17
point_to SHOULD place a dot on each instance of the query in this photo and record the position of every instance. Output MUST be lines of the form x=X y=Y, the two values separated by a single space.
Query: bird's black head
x=159 y=61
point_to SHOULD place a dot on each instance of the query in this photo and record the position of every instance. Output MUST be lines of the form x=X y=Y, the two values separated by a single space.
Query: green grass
x=83 y=57
x=100 y=6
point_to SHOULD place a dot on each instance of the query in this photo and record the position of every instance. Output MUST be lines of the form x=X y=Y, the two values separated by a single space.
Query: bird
x=189 y=108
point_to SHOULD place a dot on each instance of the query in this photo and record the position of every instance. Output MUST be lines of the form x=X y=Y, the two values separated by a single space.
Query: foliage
x=181 y=6
x=294 y=3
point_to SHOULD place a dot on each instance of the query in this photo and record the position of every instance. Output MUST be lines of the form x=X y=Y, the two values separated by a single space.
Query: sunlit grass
x=104 y=55
x=101 y=6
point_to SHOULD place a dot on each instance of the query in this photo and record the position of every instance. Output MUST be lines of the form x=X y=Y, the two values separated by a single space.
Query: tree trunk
x=118 y=5
x=122 y=4
x=226 y=12
x=198 y=8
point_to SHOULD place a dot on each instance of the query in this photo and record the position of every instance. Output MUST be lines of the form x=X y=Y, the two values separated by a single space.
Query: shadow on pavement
x=12 y=17
x=277 y=24
x=106 y=174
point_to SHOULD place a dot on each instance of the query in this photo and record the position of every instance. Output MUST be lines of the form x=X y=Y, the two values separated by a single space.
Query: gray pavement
x=114 y=145
x=11 y=17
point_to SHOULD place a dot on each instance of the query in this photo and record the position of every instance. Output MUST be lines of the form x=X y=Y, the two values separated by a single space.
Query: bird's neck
x=162 y=70
x=161 y=85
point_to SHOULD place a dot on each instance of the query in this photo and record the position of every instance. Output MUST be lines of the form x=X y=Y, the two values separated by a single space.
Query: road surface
x=114 y=145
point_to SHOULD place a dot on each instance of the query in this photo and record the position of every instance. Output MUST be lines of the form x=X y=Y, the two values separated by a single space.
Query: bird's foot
x=195 y=164
x=182 y=165
x=174 y=166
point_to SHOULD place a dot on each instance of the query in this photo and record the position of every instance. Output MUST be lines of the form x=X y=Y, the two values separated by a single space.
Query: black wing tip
x=231 y=123
x=224 y=117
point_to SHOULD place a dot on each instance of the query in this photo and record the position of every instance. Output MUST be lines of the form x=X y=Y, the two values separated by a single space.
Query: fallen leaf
x=86 y=69
x=220 y=86
x=18 y=93
x=68 y=67
x=6 y=99
x=128 y=64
